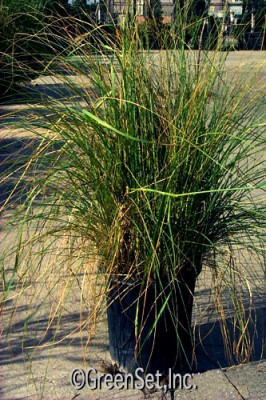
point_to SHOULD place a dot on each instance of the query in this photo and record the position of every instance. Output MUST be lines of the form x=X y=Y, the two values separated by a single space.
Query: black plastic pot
x=141 y=338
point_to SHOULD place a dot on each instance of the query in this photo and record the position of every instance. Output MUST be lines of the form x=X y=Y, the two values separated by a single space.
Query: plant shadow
x=25 y=335
x=30 y=103
x=210 y=350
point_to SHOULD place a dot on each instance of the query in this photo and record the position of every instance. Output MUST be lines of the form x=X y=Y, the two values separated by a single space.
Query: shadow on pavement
x=26 y=334
x=31 y=103
x=210 y=349
x=29 y=337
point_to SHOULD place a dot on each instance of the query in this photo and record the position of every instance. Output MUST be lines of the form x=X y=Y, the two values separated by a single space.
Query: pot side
x=144 y=331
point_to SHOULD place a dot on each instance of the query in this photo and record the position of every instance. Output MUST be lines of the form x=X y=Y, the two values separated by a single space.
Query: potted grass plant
x=157 y=161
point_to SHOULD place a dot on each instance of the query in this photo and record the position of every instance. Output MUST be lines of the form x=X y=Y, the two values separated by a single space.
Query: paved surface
x=44 y=337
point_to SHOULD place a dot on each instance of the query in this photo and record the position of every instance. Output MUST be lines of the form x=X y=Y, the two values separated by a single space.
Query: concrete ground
x=44 y=334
